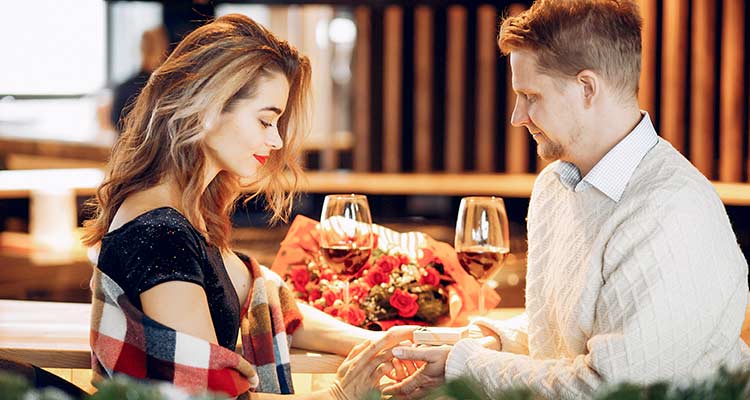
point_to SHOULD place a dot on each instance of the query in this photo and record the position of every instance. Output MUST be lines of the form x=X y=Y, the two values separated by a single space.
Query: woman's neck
x=164 y=194
x=168 y=193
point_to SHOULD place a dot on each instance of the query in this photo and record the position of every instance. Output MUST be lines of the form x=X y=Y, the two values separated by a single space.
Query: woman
x=228 y=106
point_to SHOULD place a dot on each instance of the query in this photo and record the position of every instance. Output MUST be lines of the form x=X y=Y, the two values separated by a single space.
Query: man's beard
x=548 y=150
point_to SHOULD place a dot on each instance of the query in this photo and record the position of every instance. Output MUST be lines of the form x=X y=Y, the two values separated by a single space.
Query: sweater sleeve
x=513 y=333
x=671 y=306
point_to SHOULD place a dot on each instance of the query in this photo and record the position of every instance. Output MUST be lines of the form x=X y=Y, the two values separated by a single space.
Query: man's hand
x=428 y=376
x=367 y=363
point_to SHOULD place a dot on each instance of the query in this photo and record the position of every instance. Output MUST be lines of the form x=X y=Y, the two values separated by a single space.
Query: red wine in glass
x=346 y=259
x=346 y=232
x=482 y=262
x=482 y=238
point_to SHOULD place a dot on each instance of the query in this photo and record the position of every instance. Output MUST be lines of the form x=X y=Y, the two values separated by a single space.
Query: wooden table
x=56 y=335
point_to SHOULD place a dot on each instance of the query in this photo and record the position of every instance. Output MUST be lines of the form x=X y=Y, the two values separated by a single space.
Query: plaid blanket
x=124 y=340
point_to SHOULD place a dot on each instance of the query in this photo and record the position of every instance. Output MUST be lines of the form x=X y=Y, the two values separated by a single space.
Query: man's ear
x=590 y=85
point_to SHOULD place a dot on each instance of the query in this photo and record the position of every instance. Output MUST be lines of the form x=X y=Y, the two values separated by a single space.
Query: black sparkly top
x=161 y=246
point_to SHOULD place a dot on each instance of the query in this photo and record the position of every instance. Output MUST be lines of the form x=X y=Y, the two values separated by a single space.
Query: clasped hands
x=414 y=370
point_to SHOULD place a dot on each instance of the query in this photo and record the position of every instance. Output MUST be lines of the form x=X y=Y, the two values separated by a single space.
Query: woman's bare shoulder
x=137 y=205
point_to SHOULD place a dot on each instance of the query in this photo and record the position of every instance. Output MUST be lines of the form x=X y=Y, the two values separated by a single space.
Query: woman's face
x=244 y=137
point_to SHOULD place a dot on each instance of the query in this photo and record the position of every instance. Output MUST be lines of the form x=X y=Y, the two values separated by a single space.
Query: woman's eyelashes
x=265 y=123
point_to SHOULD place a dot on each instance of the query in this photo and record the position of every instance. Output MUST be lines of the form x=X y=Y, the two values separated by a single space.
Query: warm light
x=53 y=221
x=50 y=179
x=32 y=52
x=53 y=213
x=342 y=31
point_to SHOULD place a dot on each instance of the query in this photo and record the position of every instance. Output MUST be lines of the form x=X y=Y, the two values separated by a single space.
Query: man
x=634 y=273
x=154 y=47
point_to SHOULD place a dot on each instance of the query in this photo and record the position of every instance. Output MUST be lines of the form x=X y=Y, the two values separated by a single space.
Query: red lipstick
x=261 y=159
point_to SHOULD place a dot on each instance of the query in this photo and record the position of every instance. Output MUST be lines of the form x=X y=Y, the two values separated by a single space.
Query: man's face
x=548 y=106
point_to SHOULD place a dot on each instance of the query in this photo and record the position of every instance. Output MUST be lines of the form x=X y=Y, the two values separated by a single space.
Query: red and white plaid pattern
x=124 y=340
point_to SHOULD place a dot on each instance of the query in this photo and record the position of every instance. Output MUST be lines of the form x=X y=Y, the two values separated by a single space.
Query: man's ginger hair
x=569 y=36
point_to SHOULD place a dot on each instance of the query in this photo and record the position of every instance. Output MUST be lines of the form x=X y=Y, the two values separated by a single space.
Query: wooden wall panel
x=703 y=86
x=647 y=83
x=423 y=75
x=321 y=58
x=686 y=92
x=455 y=93
x=392 y=85
x=674 y=71
x=516 y=138
x=487 y=59
x=362 y=90
x=732 y=86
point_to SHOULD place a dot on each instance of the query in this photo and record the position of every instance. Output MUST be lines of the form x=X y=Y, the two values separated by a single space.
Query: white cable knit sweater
x=649 y=288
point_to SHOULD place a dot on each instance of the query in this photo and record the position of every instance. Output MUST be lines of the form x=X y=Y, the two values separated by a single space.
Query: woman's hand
x=402 y=369
x=427 y=377
x=367 y=363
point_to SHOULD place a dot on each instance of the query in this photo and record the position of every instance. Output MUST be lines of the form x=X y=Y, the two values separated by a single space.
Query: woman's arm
x=360 y=372
x=182 y=306
x=322 y=332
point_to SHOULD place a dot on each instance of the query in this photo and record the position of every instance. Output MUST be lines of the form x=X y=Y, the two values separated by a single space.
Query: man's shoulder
x=547 y=175
x=666 y=177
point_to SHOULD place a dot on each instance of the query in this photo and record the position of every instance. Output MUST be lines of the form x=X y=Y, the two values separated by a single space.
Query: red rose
x=314 y=294
x=405 y=303
x=376 y=276
x=352 y=314
x=387 y=263
x=362 y=270
x=430 y=276
x=358 y=290
x=331 y=296
x=300 y=276
x=332 y=311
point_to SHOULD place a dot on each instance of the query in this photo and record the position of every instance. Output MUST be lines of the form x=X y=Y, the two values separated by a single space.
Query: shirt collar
x=613 y=172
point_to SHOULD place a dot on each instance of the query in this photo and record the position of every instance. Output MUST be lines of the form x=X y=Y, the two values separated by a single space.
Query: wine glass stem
x=482 y=311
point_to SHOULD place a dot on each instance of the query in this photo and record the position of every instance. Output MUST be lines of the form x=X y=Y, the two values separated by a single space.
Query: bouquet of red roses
x=408 y=279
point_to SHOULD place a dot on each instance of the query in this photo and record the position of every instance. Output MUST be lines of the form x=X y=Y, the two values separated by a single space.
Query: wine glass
x=346 y=232
x=482 y=239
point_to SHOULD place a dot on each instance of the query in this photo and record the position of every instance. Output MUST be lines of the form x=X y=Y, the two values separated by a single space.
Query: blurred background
x=412 y=106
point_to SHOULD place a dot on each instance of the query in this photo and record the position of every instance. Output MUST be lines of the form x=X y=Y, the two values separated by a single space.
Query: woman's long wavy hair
x=210 y=70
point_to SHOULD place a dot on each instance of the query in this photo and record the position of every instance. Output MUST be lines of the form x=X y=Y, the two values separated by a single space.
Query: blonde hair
x=572 y=35
x=210 y=70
